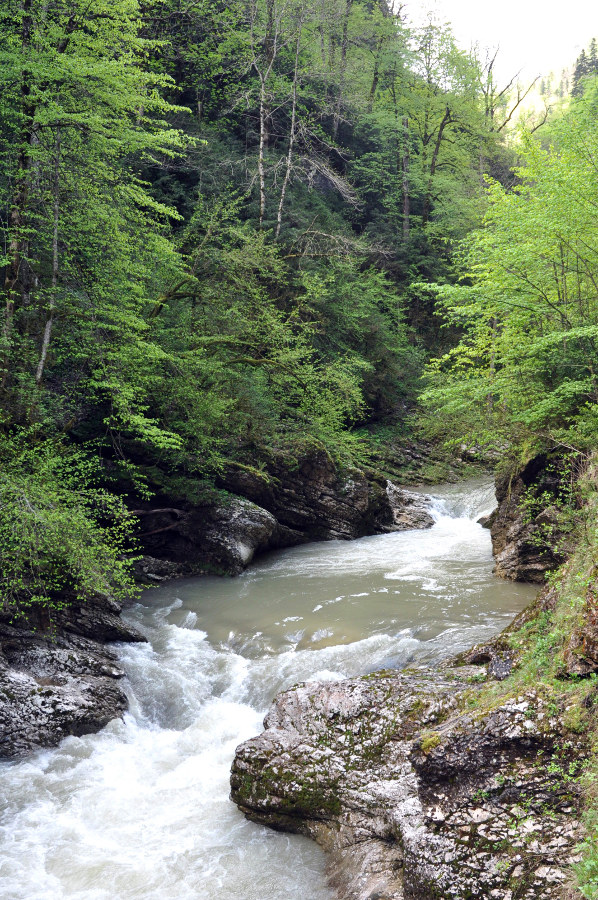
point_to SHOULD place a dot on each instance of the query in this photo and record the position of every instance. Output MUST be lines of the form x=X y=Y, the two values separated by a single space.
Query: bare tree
x=289 y=159
x=54 y=281
x=263 y=63
x=503 y=100
x=342 y=67
x=405 y=178
x=446 y=120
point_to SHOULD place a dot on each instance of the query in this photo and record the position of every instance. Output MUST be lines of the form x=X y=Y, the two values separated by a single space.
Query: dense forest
x=238 y=229
x=220 y=222
x=235 y=231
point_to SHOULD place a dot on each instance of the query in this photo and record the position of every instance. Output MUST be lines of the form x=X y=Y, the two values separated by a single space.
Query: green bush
x=61 y=534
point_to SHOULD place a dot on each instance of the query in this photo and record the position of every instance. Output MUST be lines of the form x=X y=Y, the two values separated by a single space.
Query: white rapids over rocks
x=141 y=810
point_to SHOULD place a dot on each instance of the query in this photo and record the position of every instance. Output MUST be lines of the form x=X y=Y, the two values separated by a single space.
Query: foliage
x=524 y=370
x=213 y=219
x=586 y=66
x=61 y=534
x=281 y=355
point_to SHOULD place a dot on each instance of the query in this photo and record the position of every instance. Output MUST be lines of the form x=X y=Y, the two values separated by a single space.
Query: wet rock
x=413 y=796
x=53 y=686
x=323 y=503
x=408 y=510
x=57 y=677
x=267 y=511
x=97 y=618
x=237 y=531
x=149 y=570
x=527 y=540
x=215 y=538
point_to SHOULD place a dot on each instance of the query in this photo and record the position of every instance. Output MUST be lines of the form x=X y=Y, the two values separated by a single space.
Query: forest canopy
x=226 y=226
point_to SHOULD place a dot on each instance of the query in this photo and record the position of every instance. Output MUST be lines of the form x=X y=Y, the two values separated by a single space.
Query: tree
x=530 y=313
x=79 y=113
x=586 y=65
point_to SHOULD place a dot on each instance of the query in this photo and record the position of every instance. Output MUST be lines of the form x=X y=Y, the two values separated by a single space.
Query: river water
x=141 y=810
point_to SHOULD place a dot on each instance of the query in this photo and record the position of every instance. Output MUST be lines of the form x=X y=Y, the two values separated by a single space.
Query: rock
x=280 y=509
x=413 y=796
x=525 y=537
x=97 y=618
x=581 y=652
x=323 y=503
x=499 y=659
x=54 y=686
x=216 y=538
x=57 y=677
x=149 y=570
x=408 y=510
x=232 y=534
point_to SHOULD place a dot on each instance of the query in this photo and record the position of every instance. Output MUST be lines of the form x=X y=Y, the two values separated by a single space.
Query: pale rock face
x=413 y=796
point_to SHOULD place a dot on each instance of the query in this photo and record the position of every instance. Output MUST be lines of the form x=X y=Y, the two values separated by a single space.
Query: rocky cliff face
x=412 y=794
x=526 y=536
x=280 y=508
x=59 y=679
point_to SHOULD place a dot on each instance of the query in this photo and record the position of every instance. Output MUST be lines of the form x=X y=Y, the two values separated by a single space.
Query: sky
x=538 y=36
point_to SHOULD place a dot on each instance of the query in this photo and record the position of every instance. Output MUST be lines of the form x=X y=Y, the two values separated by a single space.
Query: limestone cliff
x=280 y=507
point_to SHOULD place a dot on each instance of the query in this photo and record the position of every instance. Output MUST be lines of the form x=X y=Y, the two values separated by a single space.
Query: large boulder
x=57 y=677
x=323 y=502
x=219 y=537
x=413 y=793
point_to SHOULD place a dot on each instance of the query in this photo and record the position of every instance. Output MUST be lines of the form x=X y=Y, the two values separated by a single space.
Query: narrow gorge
x=216 y=652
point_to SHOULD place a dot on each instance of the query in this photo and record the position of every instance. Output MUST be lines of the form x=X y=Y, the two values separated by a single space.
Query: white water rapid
x=141 y=810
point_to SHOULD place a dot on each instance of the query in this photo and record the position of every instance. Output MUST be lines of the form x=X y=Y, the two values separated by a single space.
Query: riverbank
x=57 y=673
x=460 y=782
x=417 y=789
x=59 y=677
x=142 y=808
x=400 y=599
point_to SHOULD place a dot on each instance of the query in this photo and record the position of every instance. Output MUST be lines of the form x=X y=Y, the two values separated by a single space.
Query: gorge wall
x=260 y=511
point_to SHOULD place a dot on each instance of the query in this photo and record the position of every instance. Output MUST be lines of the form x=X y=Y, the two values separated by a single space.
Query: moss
x=428 y=741
x=283 y=793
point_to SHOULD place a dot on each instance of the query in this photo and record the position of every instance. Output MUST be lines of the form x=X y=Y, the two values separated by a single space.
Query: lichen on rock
x=413 y=792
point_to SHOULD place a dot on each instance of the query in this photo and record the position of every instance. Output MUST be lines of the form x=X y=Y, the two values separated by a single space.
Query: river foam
x=141 y=810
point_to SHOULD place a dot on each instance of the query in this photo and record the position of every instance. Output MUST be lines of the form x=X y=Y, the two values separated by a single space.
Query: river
x=141 y=810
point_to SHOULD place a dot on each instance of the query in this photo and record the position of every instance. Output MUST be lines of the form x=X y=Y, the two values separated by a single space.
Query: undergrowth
x=547 y=645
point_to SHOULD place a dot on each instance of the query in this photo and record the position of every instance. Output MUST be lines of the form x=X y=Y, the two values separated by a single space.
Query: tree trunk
x=405 y=174
x=342 y=68
x=433 y=163
x=50 y=319
x=376 y=75
x=263 y=68
x=261 y=153
x=289 y=165
x=17 y=218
